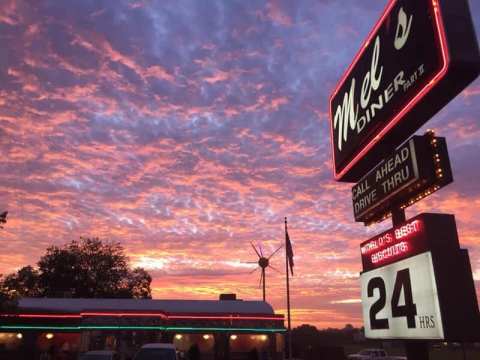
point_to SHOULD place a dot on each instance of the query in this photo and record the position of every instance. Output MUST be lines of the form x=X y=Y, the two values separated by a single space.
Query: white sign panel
x=401 y=300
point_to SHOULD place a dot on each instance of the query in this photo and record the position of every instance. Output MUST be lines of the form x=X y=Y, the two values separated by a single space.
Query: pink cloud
x=275 y=13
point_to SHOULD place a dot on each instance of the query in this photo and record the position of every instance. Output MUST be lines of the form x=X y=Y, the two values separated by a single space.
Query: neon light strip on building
x=161 y=315
x=163 y=328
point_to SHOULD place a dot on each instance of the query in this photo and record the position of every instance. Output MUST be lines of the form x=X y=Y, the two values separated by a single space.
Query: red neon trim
x=83 y=314
x=436 y=78
x=231 y=317
x=47 y=316
x=365 y=45
x=116 y=314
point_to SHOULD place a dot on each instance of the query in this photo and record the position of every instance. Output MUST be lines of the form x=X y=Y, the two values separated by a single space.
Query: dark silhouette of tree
x=309 y=343
x=23 y=283
x=88 y=268
x=139 y=282
x=8 y=300
x=3 y=219
x=304 y=338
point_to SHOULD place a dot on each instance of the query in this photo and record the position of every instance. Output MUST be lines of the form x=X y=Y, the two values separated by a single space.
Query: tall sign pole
x=289 y=329
x=415 y=350
x=418 y=57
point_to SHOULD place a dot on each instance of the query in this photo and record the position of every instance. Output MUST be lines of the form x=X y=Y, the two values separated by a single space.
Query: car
x=99 y=355
x=374 y=354
x=157 y=351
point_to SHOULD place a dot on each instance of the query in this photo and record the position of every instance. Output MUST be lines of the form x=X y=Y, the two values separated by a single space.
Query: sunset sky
x=186 y=130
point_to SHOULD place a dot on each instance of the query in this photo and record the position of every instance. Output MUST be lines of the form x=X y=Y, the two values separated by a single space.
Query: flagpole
x=289 y=329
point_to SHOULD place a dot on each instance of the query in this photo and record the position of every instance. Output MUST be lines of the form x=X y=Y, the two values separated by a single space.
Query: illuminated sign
x=424 y=232
x=395 y=244
x=416 y=315
x=416 y=169
x=417 y=283
x=419 y=55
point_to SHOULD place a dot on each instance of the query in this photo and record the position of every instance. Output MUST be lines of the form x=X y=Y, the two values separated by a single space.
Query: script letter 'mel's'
x=345 y=115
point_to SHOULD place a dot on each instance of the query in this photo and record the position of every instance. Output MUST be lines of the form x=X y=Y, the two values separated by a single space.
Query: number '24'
x=409 y=310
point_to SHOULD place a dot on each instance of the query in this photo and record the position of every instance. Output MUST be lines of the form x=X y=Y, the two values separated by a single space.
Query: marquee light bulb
x=49 y=336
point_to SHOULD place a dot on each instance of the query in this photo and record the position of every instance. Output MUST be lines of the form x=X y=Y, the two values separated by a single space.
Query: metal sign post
x=415 y=350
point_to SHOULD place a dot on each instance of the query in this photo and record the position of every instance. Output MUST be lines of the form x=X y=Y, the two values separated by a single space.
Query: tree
x=304 y=338
x=88 y=268
x=8 y=300
x=23 y=283
x=139 y=283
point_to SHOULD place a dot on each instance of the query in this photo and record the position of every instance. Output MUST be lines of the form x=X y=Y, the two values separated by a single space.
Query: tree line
x=85 y=268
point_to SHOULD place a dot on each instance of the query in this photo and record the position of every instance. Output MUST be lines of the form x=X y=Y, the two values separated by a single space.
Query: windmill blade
x=274 y=268
x=261 y=279
x=261 y=251
x=281 y=246
x=249 y=262
x=254 y=248
x=251 y=272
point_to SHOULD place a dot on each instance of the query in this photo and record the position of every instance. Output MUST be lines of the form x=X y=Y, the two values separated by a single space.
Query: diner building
x=63 y=328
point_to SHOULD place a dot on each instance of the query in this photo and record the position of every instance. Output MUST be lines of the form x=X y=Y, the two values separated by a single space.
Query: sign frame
x=460 y=65
x=453 y=275
x=430 y=171
x=426 y=320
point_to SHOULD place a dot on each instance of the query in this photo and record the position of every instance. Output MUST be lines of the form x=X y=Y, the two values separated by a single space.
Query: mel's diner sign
x=419 y=55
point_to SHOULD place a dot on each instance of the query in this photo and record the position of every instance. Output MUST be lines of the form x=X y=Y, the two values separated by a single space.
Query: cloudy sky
x=186 y=130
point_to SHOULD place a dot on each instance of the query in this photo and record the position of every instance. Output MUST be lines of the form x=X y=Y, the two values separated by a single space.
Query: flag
x=289 y=250
x=3 y=218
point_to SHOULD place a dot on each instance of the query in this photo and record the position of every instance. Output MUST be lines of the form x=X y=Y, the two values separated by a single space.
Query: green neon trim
x=27 y=327
x=165 y=328
x=225 y=329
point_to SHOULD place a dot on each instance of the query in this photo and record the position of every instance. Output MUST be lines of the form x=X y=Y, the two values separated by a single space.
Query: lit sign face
x=417 y=282
x=425 y=232
x=400 y=300
x=402 y=75
x=395 y=244
x=414 y=170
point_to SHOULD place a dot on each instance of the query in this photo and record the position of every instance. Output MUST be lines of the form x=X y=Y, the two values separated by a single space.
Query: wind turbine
x=263 y=262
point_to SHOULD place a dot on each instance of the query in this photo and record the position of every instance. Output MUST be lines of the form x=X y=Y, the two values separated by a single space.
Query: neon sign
x=395 y=244
x=230 y=317
x=407 y=229
x=414 y=61
x=391 y=237
x=390 y=252
x=112 y=327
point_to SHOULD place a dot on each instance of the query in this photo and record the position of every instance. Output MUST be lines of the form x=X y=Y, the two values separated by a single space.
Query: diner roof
x=70 y=305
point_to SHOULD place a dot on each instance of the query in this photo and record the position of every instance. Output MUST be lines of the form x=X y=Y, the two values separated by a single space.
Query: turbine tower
x=263 y=262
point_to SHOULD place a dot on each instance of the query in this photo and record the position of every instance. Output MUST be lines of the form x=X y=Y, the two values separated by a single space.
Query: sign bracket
x=398 y=216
